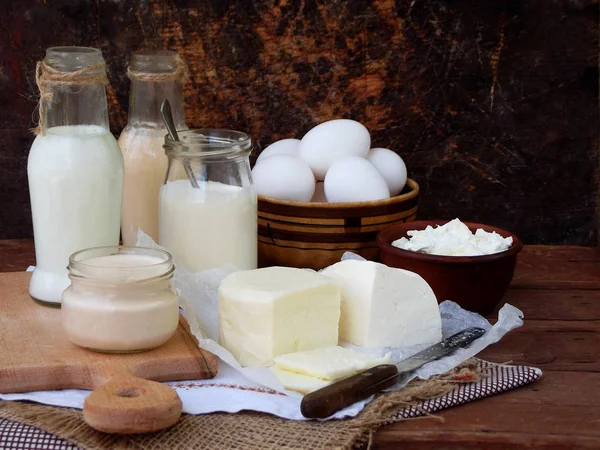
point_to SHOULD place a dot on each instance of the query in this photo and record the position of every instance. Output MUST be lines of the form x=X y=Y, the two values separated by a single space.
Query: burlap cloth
x=246 y=430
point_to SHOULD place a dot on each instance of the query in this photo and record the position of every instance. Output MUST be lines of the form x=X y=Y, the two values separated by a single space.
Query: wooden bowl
x=316 y=235
x=477 y=283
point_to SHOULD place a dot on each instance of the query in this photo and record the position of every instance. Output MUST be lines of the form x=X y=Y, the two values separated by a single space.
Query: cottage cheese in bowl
x=453 y=239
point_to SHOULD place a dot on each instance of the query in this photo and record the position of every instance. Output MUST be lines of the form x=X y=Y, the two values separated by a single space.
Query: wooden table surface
x=558 y=290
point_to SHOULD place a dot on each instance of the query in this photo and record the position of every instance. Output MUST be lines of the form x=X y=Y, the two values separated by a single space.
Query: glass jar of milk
x=120 y=299
x=155 y=76
x=212 y=224
x=75 y=168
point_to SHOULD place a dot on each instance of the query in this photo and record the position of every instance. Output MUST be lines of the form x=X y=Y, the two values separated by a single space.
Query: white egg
x=391 y=166
x=285 y=146
x=354 y=179
x=285 y=177
x=330 y=141
x=319 y=195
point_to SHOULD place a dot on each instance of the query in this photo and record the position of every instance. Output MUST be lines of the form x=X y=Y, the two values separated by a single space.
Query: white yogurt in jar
x=208 y=227
x=75 y=184
x=121 y=302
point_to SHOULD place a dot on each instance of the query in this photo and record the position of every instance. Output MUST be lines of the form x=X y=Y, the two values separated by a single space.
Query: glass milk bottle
x=214 y=224
x=75 y=167
x=155 y=76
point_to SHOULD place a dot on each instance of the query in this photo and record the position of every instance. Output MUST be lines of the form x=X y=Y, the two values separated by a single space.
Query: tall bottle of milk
x=212 y=224
x=75 y=167
x=155 y=76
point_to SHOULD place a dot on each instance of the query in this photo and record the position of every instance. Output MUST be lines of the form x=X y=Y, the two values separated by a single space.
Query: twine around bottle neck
x=47 y=77
x=179 y=73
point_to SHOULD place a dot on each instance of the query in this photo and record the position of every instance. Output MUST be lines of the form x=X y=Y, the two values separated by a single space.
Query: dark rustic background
x=493 y=104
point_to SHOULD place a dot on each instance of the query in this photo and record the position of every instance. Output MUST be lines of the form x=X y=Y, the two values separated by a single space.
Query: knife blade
x=326 y=401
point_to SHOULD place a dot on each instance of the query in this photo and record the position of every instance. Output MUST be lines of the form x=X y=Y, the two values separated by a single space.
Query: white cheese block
x=276 y=310
x=385 y=307
x=297 y=382
x=329 y=363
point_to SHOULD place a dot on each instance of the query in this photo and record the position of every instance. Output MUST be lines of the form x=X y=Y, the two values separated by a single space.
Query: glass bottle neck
x=145 y=100
x=71 y=82
x=83 y=104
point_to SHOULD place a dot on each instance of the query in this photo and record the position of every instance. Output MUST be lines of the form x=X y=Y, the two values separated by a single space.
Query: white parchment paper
x=256 y=388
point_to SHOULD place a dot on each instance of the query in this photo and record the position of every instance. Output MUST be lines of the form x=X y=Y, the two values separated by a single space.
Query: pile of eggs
x=333 y=162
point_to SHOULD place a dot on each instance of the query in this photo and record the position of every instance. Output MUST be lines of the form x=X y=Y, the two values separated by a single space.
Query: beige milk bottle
x=155 y=76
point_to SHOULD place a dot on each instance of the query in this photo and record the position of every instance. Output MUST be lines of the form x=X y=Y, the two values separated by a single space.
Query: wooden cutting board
x=35 y=355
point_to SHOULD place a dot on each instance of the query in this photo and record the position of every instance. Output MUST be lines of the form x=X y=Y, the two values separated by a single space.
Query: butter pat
x=329 y=363
x=384 y=306
x=297 y=382
x=277 y=310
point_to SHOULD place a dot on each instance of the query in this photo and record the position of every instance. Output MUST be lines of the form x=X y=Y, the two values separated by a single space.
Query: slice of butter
x=276 y=310
x=385 y=307
x=298 y=382
x=329 y=363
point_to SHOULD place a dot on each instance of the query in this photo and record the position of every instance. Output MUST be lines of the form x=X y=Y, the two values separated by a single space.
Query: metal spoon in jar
x=167 y=116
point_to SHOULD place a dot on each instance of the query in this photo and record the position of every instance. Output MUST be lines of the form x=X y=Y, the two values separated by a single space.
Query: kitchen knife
x=330 y=399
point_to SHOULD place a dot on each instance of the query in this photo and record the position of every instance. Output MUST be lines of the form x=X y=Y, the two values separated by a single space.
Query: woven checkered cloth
x=32 y=426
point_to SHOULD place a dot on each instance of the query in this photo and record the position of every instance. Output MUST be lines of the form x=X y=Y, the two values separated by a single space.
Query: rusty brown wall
x=493 y=104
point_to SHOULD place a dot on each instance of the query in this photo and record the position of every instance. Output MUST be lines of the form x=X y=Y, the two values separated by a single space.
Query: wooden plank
x=538 y=266
x=477 y=440
x=557 y=389
x=558 y=267
x=550 y=345
x=16 y=255
x=546 y=304
x=556 y=411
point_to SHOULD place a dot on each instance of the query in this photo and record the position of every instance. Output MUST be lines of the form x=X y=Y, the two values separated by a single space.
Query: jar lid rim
x=71 y=49
x=151 y=53
x=70 y=59
x=208 y=142
x=80 y=269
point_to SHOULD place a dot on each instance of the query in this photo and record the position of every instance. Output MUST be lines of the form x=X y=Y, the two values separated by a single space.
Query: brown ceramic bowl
x=477 y=283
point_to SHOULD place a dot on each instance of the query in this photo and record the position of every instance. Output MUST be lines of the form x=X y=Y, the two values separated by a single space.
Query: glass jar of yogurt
x=207 y=205
x=75 y=167
x=120 y=299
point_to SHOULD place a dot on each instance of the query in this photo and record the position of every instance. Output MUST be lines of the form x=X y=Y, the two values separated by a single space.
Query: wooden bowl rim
x=386 y=236
x=412 y=184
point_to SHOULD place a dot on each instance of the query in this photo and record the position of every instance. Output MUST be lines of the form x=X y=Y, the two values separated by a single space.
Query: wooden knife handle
x=330 y=399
